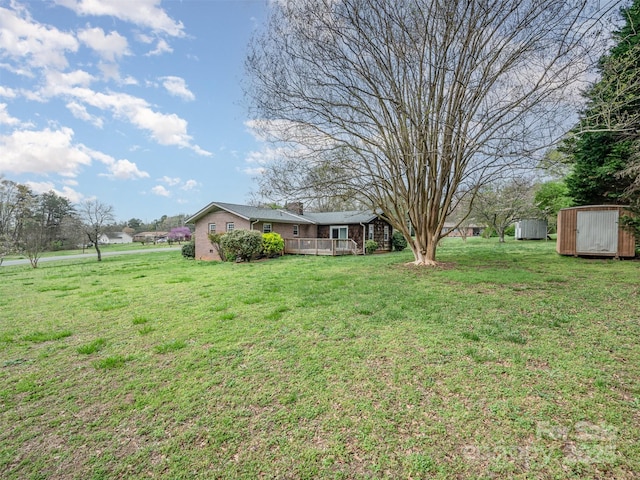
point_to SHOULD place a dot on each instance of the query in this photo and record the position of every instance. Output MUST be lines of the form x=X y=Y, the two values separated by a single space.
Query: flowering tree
x=179 y=234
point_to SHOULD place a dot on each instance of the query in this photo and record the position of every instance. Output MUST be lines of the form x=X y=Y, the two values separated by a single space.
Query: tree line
x=32 y=223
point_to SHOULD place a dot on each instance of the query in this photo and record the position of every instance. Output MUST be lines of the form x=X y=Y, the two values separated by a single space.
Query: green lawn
x=508 y=362
x=117 y=247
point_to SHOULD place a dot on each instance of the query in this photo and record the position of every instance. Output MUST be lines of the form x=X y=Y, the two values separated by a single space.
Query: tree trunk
x=98 y=251
x=424 y=251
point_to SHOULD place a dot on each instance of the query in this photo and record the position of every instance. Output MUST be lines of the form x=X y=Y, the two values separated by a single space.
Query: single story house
x=472 y=230
x=150 y=237
x=326 y=233
x=111 y=238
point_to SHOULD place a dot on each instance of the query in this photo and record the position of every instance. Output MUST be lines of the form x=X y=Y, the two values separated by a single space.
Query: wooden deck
x=320 y=246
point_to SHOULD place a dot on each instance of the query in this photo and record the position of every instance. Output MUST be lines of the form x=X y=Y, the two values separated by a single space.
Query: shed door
x=597 y=232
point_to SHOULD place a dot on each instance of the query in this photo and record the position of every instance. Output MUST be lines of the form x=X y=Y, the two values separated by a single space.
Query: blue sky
x=136 y=103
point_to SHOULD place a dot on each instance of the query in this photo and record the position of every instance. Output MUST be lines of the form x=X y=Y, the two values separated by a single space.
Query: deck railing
x=320 y=246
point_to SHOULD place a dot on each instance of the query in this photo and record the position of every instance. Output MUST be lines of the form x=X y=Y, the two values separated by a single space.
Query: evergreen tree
x=605 y=143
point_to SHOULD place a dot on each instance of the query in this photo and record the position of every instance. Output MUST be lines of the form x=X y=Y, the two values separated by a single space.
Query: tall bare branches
x=96 y=216
x=411 y=102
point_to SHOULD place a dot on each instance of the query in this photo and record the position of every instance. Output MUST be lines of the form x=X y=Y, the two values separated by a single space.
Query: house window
x=230 y=226
x=386 y=233
x=296 y=231
x=370 y=236
x=212 y=228
x=340 y=232
x=266 y=228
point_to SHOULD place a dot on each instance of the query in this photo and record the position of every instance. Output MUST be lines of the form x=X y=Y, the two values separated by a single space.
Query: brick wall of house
x=204 y=249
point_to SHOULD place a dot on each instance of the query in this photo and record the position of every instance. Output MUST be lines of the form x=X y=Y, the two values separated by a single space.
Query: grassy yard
x=103 y=248
x=508 y=362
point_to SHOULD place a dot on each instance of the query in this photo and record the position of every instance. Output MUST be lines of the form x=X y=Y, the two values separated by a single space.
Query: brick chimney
x=294 y=207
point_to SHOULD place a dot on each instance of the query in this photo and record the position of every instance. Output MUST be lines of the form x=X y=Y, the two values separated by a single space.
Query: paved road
x=25 y=261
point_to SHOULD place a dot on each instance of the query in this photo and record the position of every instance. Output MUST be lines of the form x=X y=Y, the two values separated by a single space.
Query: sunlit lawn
x=508 y=362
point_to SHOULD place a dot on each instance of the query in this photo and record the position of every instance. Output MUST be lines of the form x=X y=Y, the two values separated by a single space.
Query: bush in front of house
x=216 y=241
x=189 y=250
x=370 y=246
x=272 y=244
x=398 y=242
x=241 y=244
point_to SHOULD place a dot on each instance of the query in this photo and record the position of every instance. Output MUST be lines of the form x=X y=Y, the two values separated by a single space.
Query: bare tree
x=96 y=216
x=408 y=102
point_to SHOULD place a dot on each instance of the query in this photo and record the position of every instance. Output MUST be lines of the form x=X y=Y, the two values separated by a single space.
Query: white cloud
x=67 y=192
x=7 y=92
x=34 y=44
x=53 y=151
x=160 y=191
x=80 y=111
x=144 y=13
x=5 y=118
x=124 y=169
x=42 y=152
x=171 y=181
x=161 y=47
x=166 y=129
x=118 y=169
x=176 y=86
x=110 y=47
x=58 y=82
x=189 y=185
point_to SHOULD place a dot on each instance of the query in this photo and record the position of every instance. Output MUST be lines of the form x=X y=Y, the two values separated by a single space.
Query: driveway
x=25 y=261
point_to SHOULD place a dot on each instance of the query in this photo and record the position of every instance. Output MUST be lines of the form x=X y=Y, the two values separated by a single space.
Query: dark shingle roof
x=283 y=216
x=337 y=218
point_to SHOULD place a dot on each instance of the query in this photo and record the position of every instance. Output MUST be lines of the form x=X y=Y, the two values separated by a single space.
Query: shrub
x=370 y=246
x=272 y=244
x=241 y=244
x=216 y=241
x=510 y=231
x=189 y=250
x=398 y=242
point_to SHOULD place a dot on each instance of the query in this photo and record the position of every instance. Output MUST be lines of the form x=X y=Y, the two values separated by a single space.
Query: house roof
x=336 y=218
x=284 y=216
x=115 y=234
x=151 y=234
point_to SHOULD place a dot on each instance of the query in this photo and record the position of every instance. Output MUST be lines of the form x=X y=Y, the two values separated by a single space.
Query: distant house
x=150 y=237
x=327 y=233
x=451 y=230
x=111 y=238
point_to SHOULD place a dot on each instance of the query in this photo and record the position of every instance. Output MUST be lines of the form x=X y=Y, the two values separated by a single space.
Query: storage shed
x=531 y=229
x=594 y=230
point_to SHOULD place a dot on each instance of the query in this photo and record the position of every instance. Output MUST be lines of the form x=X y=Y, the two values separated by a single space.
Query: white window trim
x=231 y=226
x=212 y=230
x=340 y=227
x=386 y=233
x=370 y=234
x=296 y=230
x=264 y=228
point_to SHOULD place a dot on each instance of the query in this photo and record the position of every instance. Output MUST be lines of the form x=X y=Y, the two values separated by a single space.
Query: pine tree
x=605 y=143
